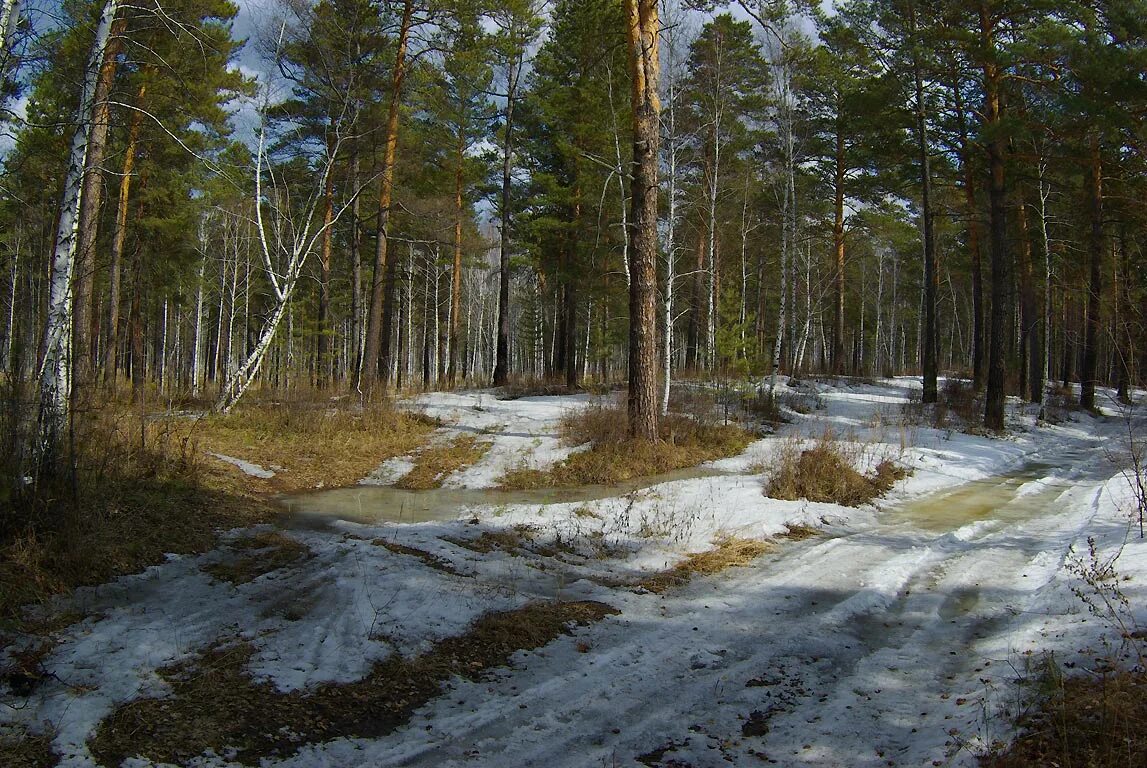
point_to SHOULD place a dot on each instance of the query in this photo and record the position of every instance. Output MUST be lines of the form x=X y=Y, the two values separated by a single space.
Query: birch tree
x=55 y=374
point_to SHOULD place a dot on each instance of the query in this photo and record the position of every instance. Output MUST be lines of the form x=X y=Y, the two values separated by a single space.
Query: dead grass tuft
x=799 y=533
x=437 y=462
x=27 y=751
x=215 y=705
x=827 y=473
x=613 y=458
x=315 y=444
x=256 y=555
x=433 y=561
x=1097 y=722
x=730 y=552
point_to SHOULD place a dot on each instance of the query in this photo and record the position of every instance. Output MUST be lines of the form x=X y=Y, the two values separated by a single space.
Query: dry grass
x=214 y=704
x=729 y=552
x=140 y=490
x=613 y=458
x=429 y=559
x=1087 y=722
x=256 y=555
x=437 y=462
x=143 y=487
x=315 y=444
x=827 y=473
x=27 y=751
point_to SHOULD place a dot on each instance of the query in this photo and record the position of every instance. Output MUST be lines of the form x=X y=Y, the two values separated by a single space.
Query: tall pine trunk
x=92 y=200
x=997 y=224
x=641 y=18
x=502 y=353
x=380 y=325
x=119 y=238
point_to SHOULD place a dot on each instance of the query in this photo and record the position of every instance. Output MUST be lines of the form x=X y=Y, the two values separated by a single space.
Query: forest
x=426 y=195
x=573 y=382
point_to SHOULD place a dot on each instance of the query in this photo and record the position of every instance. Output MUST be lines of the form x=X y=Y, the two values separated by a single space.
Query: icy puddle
x=385 y=503
x=1013 y=497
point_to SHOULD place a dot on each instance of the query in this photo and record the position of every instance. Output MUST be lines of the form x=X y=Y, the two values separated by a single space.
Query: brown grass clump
x=142 y=486
x=27 y=751
x=1092 y=722
x=257 y=555
x=140 y=490
x=437 y=462
x=827 y=473
x=316 y=445
x=730 y=552
x=613 y=458
x=214 y=704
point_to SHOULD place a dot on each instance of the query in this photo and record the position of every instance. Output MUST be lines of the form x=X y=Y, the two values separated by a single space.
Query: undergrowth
x=614 y=458
x=829 y=472
x=141 y=485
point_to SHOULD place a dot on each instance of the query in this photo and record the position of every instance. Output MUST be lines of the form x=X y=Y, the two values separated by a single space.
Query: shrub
x=827 y=473
x=614 y=458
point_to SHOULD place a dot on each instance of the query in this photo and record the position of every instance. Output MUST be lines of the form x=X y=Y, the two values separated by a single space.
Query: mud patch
x=215 y=705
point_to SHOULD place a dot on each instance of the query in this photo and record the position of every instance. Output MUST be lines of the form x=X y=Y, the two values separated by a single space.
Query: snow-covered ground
x=896 y=637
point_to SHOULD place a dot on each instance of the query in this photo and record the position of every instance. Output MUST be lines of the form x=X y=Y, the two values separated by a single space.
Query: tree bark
x=1089 y=374
x=641 y=17
x=997 y=224
x=456 y=272
x=381 y=321
x=1031 y=350
x=92 y=199
x=837 y=356
x=502 y=354
x=931 y=273
x=325 y=331
x=973 y=234
x=55 y=374
x=119 y=238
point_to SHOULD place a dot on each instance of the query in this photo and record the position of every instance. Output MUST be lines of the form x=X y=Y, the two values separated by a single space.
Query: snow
x=892 y=638
x=247 y=467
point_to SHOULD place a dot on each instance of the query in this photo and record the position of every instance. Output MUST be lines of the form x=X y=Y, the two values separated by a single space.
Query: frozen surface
x=894 y=637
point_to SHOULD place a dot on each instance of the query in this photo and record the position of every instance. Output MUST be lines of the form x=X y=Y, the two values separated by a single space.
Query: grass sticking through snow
x=315 y=444
x=827 y=473
x=729 y=552
x=614 y=458
x=215 y=705
x=437 y=462
x=1089 y=722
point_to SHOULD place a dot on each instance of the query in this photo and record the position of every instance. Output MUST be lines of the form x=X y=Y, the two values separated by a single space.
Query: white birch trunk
x=55 y=373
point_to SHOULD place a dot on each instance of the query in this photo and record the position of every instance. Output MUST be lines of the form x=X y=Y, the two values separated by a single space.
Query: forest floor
x=687 y=620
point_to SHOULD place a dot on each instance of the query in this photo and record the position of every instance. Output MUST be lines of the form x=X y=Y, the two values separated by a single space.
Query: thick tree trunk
x=641 y=17
x=380 y=324
x=1089 y=374
x=92 y=200
x=931 y=341
x=119 y=238
x=55 y=374
x=997 y=224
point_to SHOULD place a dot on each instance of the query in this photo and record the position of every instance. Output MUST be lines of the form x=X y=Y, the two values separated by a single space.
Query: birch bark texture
x=55 y=374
